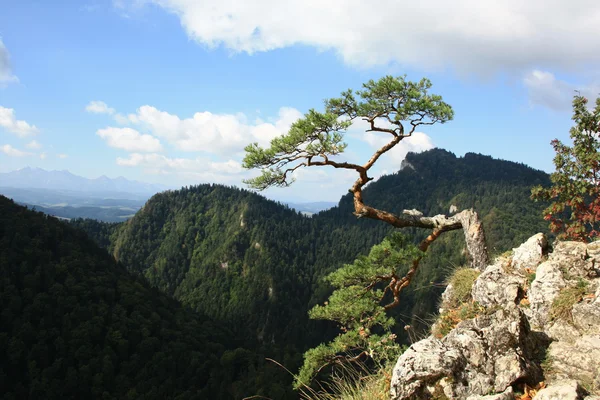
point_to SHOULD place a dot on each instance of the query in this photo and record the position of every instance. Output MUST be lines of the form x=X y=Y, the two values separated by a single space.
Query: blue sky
x=170 y=91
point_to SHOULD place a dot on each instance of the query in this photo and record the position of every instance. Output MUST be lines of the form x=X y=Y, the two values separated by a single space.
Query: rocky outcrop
x=496 y=287
x=548 y=283
x=508 y=394
x=569 y=390
x=578 y=359
x=532 y=252
x=482 y=355
x=425 y=364
x=537 y=318
x=586 y=315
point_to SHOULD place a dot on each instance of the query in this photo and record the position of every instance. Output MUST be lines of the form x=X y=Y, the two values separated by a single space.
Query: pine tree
x=357 y=307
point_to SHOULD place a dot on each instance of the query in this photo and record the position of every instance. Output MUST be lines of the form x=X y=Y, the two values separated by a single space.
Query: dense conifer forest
x=76 y=325
x=246 y=270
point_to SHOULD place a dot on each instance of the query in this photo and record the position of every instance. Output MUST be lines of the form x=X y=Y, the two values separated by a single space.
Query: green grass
x=546 y=364
x=566 y=299
x=530 y=278
x=352 y=384
x=462 y=281
x=459 y=305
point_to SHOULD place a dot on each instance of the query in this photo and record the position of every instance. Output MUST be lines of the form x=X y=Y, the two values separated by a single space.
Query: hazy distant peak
x=38 y=178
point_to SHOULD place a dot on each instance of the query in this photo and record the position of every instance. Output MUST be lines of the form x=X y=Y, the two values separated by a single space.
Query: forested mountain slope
x=227 y=253
x=256 y=264
x=432 y=182
x=74 y=324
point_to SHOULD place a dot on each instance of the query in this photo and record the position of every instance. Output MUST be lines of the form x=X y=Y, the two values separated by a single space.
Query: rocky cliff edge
x=528 y=329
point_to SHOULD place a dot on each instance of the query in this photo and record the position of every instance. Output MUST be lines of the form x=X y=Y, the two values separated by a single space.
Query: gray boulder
x=586 y=315
x=420 y=368
x=531 y=253
x=578 y=360
x=502 y=283
x=568 y=390
x=480 y=356
x=508 y=394
x=548 y=283
x=514 y=334
x=577 y=258
x=496 y=287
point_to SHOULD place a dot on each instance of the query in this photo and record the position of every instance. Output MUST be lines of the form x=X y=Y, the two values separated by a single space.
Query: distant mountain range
x=248 y=267
x=37 y=178
x=66 y=195
x=312 y=207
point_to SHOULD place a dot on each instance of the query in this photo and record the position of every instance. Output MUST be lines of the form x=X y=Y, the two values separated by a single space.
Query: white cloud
x=468 y=35
x=6 y=75
x=213 y=133
x=129 y=139
x=121 y=119
x=314 y=175
x=99 y=107
x=546 y=90
x=198 y=168
x=12 y=152
x=9 y=122
x=34 y=145
x=219 y=137
x=62 y=156
x=390 y=161
x=264 y=132
x=43 y=156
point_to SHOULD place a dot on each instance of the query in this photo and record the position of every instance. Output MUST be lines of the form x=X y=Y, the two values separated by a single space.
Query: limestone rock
x=548 y=282
x=509 y=341
x=593 y=252
x=586 y=315
x=508 y=394
x=480 y=356
x=496 y=287
x=531 y=253
x=446 y=297
x=502 y=282
x=423 y=364
x=570 y=262
x=569 y=390
x=562 y=331
x=498 y=349
x=575 y=259
x=577 y=360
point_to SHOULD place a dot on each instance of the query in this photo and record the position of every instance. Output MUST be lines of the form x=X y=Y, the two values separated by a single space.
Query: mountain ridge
x=39 y=178
x=235 y=255
x=257 y=266
x=75 y=324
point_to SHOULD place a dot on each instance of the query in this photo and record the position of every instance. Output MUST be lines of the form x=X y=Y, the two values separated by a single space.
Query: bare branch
x=334 y=164
x=381 y=151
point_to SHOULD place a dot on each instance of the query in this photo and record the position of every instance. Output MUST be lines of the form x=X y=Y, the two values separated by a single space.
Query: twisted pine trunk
x=467 y=220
